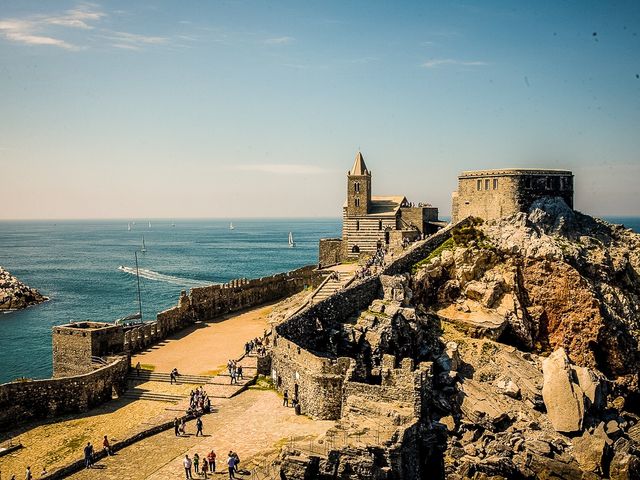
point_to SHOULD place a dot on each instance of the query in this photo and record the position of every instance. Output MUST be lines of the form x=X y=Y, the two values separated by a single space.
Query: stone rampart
x=330 y=252
x=317 y=381
x=26 y=400
x=421 y=250
x=303 y=328
x=205 y=303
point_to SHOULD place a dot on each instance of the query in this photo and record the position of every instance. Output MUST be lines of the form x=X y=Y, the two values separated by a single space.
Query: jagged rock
x=589 y=450
x=15 y=295
x=508 y=387
x=592 y=386
x=480 y=406
x=564 y=403
x=624 y=466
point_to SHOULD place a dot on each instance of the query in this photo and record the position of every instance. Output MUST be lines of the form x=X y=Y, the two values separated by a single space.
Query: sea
x=87 y=269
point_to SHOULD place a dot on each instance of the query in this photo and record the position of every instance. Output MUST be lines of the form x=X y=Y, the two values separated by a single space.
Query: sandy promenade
x=201 y=349
x=206 y=347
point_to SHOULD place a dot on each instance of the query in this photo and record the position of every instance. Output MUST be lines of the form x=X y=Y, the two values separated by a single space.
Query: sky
x=257 y=108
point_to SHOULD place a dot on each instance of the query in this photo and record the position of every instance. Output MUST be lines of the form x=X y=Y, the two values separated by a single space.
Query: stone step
x=138 y=394
x=165 y=377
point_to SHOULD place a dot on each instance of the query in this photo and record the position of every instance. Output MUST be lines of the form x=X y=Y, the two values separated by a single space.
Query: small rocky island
x=15 y=295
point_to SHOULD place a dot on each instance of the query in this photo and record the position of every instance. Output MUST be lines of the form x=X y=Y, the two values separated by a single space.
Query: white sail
x=144 y=247
x=149 y=224
x=128 y=227
x=291 y=242
x=231 y=227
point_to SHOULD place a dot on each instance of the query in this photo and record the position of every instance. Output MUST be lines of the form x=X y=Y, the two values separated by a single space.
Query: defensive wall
x=32 y=399
x=302 y=351
x=91 y=359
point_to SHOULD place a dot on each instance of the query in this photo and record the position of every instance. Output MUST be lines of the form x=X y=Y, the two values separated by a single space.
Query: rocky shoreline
x=15 y=295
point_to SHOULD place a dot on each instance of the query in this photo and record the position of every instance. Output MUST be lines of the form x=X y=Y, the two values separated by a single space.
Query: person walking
x=28 y=475
x=285 y=399
x=240 y=372
x=199 y=427
x=176 y=426
x=87 y=455
x=138 y=369
x=106 y=447
x=231 y=464
x=183 y=427
x=187 y=466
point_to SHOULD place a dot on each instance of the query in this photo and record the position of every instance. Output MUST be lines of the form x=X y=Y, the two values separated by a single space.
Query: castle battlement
x=497 y=193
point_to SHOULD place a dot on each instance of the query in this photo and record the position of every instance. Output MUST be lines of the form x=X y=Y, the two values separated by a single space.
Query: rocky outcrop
x=551 y=278
x=15 y=295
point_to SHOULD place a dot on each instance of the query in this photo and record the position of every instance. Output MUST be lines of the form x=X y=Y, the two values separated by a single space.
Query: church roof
x=382 y=206
x=359 y=167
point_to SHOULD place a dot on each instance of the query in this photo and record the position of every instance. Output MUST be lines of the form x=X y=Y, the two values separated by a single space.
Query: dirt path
x=253 y=424
x=206 y=347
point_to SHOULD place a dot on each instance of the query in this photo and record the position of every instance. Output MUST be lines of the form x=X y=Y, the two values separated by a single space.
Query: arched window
x=355 y=249
x=379 y=224
x=356 y=187
x=357 y=201
x=357 y=224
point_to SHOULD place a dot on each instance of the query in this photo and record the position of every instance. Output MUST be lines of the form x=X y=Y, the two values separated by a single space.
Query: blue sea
x=76 y=264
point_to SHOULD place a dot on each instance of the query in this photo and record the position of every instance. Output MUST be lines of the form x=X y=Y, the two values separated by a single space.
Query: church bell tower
x=358 y=188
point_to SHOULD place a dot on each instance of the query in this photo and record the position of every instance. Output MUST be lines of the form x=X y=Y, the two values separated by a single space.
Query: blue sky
x=240 y=108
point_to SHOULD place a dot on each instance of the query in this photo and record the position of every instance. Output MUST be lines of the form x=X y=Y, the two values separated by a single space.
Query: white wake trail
x=160 y=277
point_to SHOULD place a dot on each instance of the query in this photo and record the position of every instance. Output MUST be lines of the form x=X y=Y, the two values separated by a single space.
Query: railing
x=99 y=360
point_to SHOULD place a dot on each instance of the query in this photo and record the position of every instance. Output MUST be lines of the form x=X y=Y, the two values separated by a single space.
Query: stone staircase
x=142 y=394
x=149 y=376
x=331 y=286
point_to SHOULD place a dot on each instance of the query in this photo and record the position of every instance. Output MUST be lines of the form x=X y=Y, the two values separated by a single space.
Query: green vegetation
x=263 y=383
x=460 y=237
x=447 y=245
x=147 y=366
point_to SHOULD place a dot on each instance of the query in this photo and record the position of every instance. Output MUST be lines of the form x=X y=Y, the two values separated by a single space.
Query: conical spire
x=359 y=167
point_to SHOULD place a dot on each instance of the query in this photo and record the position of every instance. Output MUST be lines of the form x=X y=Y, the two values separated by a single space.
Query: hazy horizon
x=120 y=110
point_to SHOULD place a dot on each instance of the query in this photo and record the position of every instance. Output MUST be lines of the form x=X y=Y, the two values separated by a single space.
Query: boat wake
x=160 y=277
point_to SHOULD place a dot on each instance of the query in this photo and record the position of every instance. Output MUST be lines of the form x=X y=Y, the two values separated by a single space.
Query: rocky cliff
x=540 y=365
x=15 y=295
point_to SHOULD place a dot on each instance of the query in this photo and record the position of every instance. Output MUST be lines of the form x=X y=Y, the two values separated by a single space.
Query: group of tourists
x=372 y=264
x=200 y=467
x=199 y=402
x=235 y=371
x=28 y=475
x=207 y=464
x=257 y=345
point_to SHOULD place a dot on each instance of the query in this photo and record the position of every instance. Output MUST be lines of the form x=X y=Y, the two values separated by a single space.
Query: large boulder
x=589 y=450
x=563 y=398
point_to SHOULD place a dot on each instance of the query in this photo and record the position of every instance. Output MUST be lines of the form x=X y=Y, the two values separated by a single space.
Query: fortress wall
x=204 y=303
x=330 y=252
x=26 y=400
x=212 y=301
x=421 y=250
x=318 y=380
x=492 y=194
x=308 y=327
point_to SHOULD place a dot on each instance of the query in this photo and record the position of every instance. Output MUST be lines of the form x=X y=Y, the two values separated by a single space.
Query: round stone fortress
x=492 y=194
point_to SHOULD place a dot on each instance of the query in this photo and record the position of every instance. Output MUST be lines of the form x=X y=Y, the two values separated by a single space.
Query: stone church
x=370 y=222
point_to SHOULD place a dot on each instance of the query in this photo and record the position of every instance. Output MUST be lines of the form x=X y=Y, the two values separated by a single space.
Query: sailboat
x=291 y=242
x=173 y=224
x=128 y=227
x=144 y=248
x=134 y=317
x=149 y=224
x=231 y=227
